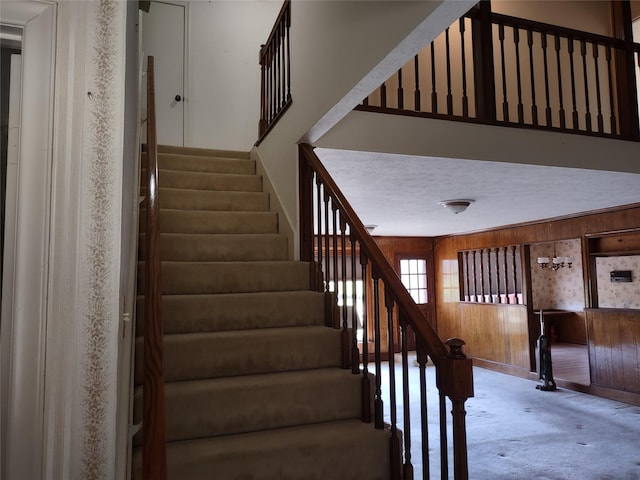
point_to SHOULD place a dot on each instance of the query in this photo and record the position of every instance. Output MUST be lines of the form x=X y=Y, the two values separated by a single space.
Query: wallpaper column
x=83 y=320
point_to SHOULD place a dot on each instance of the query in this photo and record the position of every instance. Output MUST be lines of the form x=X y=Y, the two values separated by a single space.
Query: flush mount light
x=370 y=228
x=456 y=206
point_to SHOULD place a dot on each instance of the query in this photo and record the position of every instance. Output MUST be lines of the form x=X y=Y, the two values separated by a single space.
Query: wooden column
x=483 y=75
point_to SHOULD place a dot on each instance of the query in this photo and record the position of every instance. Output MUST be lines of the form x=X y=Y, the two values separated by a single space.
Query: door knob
x=178 y=98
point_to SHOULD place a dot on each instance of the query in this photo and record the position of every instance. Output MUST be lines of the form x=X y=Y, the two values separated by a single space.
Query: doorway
x=163 y=37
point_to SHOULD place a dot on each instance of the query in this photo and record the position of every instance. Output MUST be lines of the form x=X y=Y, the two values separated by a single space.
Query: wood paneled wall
x=614 y=348
x=454 y=319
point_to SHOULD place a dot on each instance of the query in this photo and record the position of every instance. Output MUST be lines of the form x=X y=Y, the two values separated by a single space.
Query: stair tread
x=339 y=450
x=214 y=221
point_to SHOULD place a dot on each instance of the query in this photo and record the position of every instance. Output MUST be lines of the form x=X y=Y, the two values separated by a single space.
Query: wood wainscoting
x=614 y=348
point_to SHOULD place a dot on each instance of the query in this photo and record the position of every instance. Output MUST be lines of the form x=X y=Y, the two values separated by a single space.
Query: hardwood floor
x=570 y=362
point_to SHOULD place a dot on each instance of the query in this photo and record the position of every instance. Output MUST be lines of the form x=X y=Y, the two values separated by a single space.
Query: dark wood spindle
x=327 y=270
x=378 y=406
x=444 y=450
x=489 y=273
x=366 y=381
x=448 y=58
x=474 y=276
x=614 y=121
x=574 y=113
x=498 y=273
x=394 y=440
x=482 y=273
x=407 y=468
x=383 y=95
x=424 y=413
x=534 y=105
x=505 y=103
x=355 y=353
x=506 y=274
x=334 y=246
x=434 y=93
x=319 y=232
x=587 y=114
x=400 y=91
x=563 y=121
x=465 y=99
x=596 y=66
x=346 y=340
x=515 y=274
x=516 y=41
x=546 y=80
x=416 y=93
x=467 y=285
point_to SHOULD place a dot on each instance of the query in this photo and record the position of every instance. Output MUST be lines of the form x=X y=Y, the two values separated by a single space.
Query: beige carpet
x=253 y=377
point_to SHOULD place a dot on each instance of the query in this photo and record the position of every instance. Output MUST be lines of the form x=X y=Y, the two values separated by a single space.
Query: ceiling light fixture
x=370 y=228
x=456 y=206
x=555 y=262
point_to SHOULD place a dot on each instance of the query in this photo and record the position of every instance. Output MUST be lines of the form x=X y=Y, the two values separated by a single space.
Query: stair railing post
x=305 y=181
x=457 y=383
x=483 y=69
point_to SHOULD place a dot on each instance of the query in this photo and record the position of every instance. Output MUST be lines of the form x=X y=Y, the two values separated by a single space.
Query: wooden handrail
x=320 y=197
x=432 y=343
x=154 y=456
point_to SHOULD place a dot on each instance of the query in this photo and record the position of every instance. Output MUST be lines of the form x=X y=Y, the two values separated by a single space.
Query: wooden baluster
x=274 y=83
x=319 y=233
x=489 y=273
x=546 y=80
x=327 y=270
x=400 y=91
x=278 y=70
x=515 y=278
x=505 y=103
x=576 y=124
x=346 y=340
x=383 y=95
x=498 y=273
x=468 y=286
x=394 y=440
x=587 y=114
x=407 y=469
x=444 y=448
x=448 y=55
x=465 y=99
x=458 y=371
x=614 y=121
x=563 y=122
x=416 y=93
x=534 y=106
x=516 y=40
x=262 y=125
x=355 y=353
x=482 y=272
x=334 y=246
x=378 y=406
x=506 y=275
x=288 y=32
x=434 y=93
x=421 y=356
x=475 y=279
x=596 y=65
x=366 y=382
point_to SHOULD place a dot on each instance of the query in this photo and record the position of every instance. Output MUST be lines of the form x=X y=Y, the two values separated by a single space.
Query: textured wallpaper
x=561 y=289
x=618 y=295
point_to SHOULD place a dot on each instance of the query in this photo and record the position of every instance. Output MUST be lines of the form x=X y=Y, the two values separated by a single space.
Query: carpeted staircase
x=254 y=384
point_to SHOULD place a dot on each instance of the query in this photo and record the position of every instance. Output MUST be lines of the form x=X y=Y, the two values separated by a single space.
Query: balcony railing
x=497 y=69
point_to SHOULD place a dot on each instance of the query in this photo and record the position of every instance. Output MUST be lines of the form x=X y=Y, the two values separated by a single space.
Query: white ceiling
x=400 y=193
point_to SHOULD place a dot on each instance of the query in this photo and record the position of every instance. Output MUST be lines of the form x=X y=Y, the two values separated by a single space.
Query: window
x=413 y=272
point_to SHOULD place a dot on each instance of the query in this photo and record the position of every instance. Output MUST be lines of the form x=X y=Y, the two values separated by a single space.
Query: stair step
x=203 y=152
x=207 y=221
x=230 y=277
x=238 y=311
x=190 y=356
x=341 y=450
x=182 y=199
x=196 y=163
x=224 y=406
x=187 y=247
x=206 y=181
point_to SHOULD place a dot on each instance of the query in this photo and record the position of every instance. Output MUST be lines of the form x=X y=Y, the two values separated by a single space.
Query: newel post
x=457 y=384
x=305 y=189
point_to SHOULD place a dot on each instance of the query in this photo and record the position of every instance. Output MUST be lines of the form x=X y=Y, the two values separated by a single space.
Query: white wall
x=224 y=74
x=340 y=52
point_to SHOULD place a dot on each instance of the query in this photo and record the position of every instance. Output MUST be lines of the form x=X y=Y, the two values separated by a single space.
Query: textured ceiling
x=400 y=193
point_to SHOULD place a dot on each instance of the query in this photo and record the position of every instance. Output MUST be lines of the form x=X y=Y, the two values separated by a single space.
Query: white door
x=163 y=36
